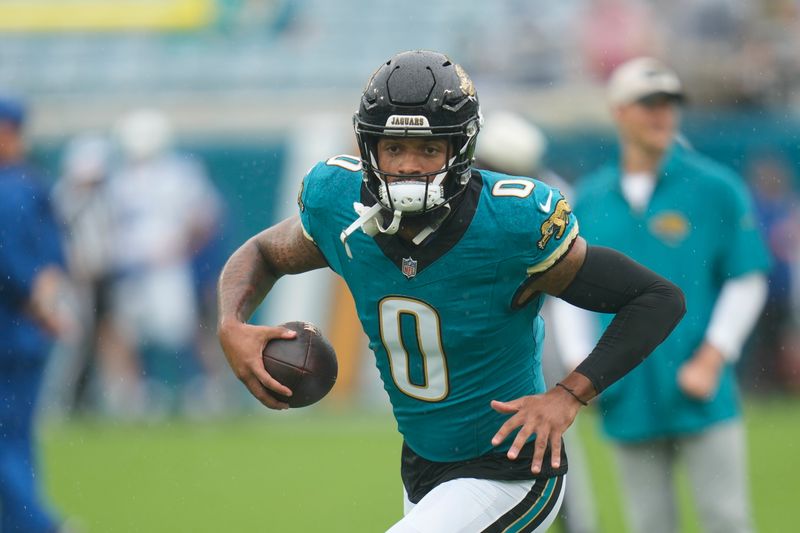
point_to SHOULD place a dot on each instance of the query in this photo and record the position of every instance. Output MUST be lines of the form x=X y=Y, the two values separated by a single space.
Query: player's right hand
x=243 y=345
x=546 y=415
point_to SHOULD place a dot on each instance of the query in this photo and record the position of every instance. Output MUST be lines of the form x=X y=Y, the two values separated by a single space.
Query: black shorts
x=420 y=475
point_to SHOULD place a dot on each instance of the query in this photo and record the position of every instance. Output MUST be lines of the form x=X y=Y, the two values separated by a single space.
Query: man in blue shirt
x=30 y=275
x=692 y=221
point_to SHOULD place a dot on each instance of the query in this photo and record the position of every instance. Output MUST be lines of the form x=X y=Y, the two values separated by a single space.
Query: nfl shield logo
x=409 y=267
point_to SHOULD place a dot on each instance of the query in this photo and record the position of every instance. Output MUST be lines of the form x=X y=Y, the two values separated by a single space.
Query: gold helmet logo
x=466 y=84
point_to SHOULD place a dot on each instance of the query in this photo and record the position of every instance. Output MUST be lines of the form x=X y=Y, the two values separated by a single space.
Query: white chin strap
x=368 y=221
x=400 y=197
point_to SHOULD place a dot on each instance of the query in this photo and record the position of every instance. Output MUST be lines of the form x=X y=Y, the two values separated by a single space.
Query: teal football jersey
x=440 y=316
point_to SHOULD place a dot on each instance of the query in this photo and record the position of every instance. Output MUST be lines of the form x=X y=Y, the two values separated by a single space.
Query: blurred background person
x=512 y=144
x=31 y=277
x=214 y=389
x=82 y=203
x=692 y=220
x=165 y=211
x=767 y=367
x=517 y=145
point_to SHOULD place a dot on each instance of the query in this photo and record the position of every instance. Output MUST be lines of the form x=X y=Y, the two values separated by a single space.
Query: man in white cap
x=692 y=221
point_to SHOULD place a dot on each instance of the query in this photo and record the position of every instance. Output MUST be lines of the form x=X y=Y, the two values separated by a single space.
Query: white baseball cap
x=510 y=143
x=144 y=134
x=640 y=78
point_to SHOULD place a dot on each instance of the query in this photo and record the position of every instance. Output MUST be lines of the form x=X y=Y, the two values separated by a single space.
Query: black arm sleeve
x=647 y=307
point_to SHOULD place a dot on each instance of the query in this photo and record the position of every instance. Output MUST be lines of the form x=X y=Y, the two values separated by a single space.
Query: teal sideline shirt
x=439 y=317
x=697 y=231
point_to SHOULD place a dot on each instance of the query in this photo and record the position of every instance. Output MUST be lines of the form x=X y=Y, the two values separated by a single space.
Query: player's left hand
x=547 y=415
x=699 y=376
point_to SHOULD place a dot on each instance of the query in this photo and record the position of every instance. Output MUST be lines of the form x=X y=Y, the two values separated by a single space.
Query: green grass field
x=317 y=470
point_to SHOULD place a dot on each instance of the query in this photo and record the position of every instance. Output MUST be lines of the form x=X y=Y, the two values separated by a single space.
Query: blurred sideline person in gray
x=165 y=210
x=82 y=204
x=513 y=145
x=692 y=220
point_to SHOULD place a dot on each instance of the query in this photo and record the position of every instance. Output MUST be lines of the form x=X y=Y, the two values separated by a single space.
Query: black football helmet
x=419 y=93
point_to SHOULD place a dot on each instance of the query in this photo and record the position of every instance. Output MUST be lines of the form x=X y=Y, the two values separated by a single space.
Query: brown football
x=306 y=364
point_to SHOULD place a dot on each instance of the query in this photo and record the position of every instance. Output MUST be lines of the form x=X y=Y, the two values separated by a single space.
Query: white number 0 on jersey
x=429 y=337
x=428 y=329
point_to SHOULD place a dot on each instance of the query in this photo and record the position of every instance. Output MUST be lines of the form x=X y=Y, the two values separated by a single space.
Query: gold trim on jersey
x=300 y=203
x=557 y=253
x=306 y=234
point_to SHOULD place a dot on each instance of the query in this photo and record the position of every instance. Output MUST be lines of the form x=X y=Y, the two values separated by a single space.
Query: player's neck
x=410 y=229
x=638 y=160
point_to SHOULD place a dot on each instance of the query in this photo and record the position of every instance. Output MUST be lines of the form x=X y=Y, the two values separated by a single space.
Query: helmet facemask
x=418 y=194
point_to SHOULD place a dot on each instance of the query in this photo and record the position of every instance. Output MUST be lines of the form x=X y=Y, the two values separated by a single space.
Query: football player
x=448 y=266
